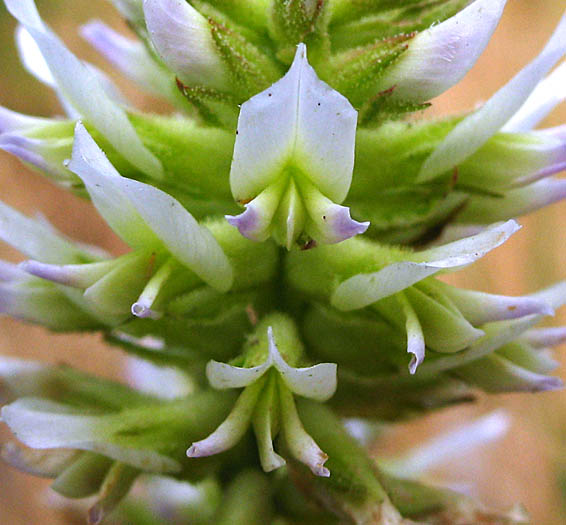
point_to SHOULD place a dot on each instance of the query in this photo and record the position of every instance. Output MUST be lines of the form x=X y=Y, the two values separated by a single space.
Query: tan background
x=525 y=466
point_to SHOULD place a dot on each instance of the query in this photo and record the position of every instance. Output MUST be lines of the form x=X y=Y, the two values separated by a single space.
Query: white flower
x=293 y=160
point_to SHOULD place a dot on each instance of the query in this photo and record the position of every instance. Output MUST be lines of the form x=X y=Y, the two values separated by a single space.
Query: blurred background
x=528 y=465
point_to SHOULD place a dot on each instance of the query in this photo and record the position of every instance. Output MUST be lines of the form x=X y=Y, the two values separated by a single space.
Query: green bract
x=246 y=271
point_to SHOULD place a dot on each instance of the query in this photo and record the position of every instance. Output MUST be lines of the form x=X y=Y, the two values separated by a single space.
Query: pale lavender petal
x=11 y=272
x=249 y=224
x=546 y=96
x=29 y=151
x=183 y=39
x=449 y=445
x=480 y=308
x=545 y=337
x=12 y=121
x=132 y=59
x=515 y=202
x=440 y=56
x=76 y=275
x=476 y=129
x=233 y=428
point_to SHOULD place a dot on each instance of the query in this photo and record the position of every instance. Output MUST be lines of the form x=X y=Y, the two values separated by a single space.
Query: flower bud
x=183 y=39
x=440 y=56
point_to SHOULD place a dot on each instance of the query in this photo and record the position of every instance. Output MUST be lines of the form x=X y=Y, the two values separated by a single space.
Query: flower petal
x=223 y=375
x=265 y=418
x=301 y=445
x=515 y=202
x=315 y=126
x=439 y=57
x=44 y=463
x=415 y=336
x=76 y=275
x=474 y=131
x=84 y=91
x=12 y=121
x=183 y=39
x=364 y=289
x=469 y=249
x=545 y=97
x=316 y=382
x=545 y=337
x=141 y=214
x=480 y=308
x=449 y=445
x=43 y=424
x=132 y=59
x=327 y=222
x=233 y=428
x=36 y=239
x=255 y=222
x=497 y=374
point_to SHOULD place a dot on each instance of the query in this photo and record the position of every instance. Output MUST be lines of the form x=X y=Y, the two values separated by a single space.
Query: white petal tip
x=194 y=452
x=50 y=272
x=413 y=365
x=320 y=470
x=143 y=311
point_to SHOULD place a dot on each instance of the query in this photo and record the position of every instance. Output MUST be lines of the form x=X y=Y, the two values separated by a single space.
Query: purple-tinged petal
x=545 y=337
x=11 y=272
x=546 y=96
x=480 y=308
x=449 y=445
x=12 y=121
x=132 y=59
x=88 y=97
x=44 y=155
x=497 y=374
x=476 y=129
x=36 y=239
x=75 y=275
x=515 y=202
x=183 y=39
x=440 y=56
x=364 y=289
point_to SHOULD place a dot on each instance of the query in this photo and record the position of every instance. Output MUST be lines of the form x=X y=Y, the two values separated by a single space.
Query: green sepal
x=296 y=21
x=84 y=477
x=246 y=501
x=379 y=20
